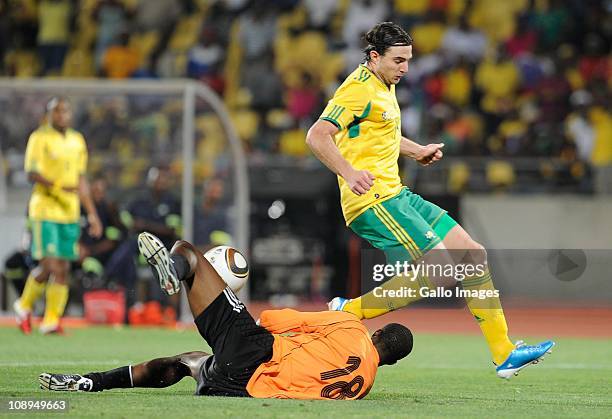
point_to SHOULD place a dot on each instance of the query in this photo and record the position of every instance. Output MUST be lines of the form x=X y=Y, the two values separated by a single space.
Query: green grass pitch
x=446 y=376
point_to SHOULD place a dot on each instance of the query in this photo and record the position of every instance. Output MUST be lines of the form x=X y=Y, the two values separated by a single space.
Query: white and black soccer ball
x=230 y=264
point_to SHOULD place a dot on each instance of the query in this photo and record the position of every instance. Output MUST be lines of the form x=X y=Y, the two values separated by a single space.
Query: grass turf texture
x=446 y=376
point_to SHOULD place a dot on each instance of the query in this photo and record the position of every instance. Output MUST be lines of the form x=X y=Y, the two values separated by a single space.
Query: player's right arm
x=348 y=103
x=320 y=139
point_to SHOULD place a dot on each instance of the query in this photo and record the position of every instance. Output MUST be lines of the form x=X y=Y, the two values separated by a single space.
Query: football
x=230 y=264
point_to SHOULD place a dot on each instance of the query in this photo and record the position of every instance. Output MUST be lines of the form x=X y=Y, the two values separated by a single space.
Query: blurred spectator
x=463 y=41
x=5 y=32
x=531 y=69
x=553 y=91
x=156 y=210
x=156 y=15
x=602 y=149
x=596 y=62
x=463 y=132
x=221 y=16
x=203 y=58
x=17 y=265
x=428 y=34
x=161 y=17
x=303 y=99
x=320 y=13
x=23 y=17
x=360 y=17
x=263 y=84
x=578 y=127
x=410 y=11
x=55 y=19
x=524 y=40
x=257 y=31
x=215 y=79
x=458 y=84
x=495 y=19
x=546 y=50
x=552 y=23
x=434 y=87
x=498 y=79
x=112 y=19
x=94 y=253
x=211 y=227
x=412 y=112
x=120 y=61
x=511 y=136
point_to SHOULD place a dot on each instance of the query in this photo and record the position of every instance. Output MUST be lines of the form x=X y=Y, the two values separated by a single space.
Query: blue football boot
x=523 y=356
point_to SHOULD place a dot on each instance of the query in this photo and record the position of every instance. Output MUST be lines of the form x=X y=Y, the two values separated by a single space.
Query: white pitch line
x=61 y=363
x=548 y=365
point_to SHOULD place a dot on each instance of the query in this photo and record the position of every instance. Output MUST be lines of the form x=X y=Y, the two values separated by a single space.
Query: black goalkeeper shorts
x=239 y=346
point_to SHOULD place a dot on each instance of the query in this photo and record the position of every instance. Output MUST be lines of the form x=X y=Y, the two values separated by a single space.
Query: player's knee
x=187 y=250
x=59 y=269
x=192 y=360
x=477 y=252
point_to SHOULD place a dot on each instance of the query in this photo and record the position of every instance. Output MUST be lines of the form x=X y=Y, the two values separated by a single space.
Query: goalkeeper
x=289 y=354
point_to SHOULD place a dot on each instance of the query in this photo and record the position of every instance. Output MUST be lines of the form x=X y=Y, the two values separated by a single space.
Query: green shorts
x=405 y=226
x=55 y=240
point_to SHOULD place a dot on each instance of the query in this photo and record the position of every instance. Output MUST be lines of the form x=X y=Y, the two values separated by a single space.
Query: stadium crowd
x=518 y=78
x=498 y=82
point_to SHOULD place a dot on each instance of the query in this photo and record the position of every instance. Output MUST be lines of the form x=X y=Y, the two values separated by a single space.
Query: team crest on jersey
x=385 y=116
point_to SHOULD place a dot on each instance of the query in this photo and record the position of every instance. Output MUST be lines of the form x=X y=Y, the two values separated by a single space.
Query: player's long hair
x=383 y=36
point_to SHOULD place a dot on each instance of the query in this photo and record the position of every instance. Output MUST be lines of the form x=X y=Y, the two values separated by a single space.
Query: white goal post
x=192 y=94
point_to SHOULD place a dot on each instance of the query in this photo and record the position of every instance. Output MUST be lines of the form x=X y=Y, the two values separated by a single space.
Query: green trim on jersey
x=336 y=112
x=364 y=75
x=333 y=121
x=353 y=127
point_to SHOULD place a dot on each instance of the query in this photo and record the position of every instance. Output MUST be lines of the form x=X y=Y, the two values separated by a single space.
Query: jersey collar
x=379 y=81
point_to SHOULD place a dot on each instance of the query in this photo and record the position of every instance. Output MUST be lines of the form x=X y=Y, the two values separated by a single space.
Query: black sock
x=181 y=266
x=118 y=378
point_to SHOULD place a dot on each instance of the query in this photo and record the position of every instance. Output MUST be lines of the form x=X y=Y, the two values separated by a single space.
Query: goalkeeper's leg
x=156 y=373
x=184 y=263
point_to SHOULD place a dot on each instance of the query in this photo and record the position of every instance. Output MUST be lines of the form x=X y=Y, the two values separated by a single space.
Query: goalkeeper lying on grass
x=290 y=354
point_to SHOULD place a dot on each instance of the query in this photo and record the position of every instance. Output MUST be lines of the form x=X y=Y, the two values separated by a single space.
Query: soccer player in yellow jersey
x=358 y=137
x=55 y=161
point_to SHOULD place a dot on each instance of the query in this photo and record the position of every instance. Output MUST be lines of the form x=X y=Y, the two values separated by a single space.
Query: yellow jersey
x=366 y=112
x=61 y=159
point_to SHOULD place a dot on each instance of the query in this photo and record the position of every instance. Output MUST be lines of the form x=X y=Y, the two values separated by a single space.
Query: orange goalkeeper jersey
x=318 y=355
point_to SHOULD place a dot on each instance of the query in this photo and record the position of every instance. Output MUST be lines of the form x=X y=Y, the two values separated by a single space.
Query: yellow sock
x=57 y=297
x=31 y=293
x=374 y=303
x=490 y=317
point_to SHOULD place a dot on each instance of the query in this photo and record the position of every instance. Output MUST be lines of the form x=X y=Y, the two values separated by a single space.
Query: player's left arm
x=424 y=154
x=95 y=226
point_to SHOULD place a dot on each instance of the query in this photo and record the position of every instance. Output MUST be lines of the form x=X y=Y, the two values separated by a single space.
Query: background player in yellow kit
x=358 y=137
x=56 y=162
